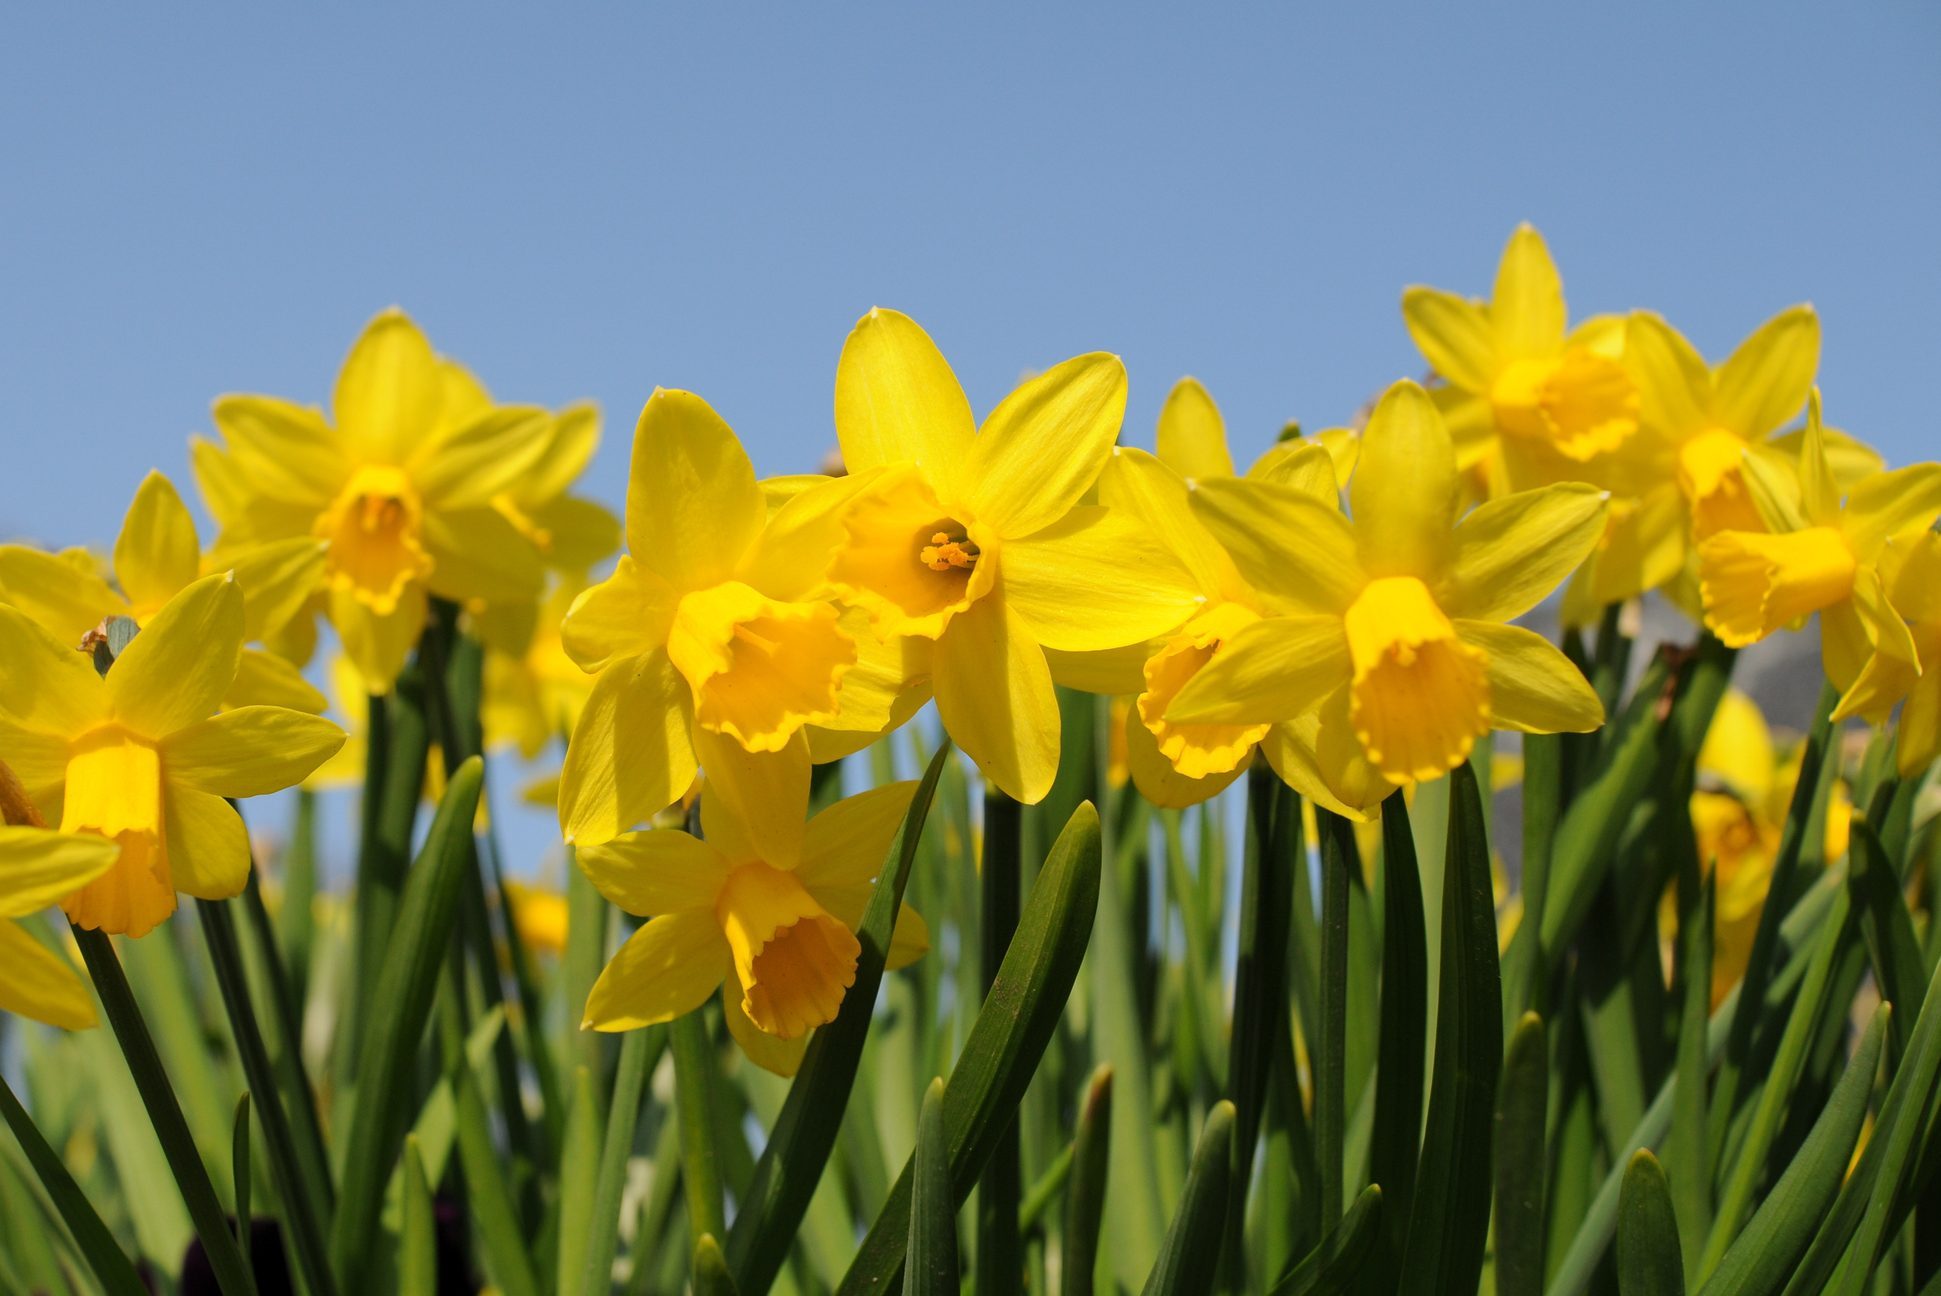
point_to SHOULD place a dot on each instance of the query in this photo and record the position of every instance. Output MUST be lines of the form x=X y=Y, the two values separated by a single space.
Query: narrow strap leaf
x=1343 y=1255
x=104 y=1255
x=1189 y=1259
x=1394 y=1142
x=1085 y=1190
x=1648 y=1259
x=931 y=1269
x=1521 y=1106
x=417 y=1236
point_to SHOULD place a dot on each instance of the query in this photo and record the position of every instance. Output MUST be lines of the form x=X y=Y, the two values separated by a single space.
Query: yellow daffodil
x=762 y=906
x=37 y=868
x=1392 y=653
x=701 y=630
x=1818 y=552
x=977 y=539
x=404 y=488
x=138 y=756
x=1532 y=400
x=1905 y=666
x=538 y=915
x=534 y=691
x=156 y=556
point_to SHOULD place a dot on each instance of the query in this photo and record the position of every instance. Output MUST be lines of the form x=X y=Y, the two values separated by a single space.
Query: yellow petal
x=630 y=757
x=250 y=752
x=1405 y=491
x=1116 y=672
x=1152 y=494
x=1819 y=490
x=177 y=669
x=1307 y=465
x=1419 y=696
x=1892 y=503
x=66 y=601
x=573 y=533
x=1044 y=444
x=1192 y=435
x=793 y=959
x=889 y=683
x=753 y=805
x=1511 y=552
x=995 y=697
x=478 y=555
x=848 y=843
x=1532 y=686
x=1674 y=384
x=656 y=872
x=669 y=967
x=1286 y=544
x=772 y=1053
x=909 y=939
x=570 y=444
x=1772 y=488
x=390 y=391
x=1271 y=670
x=378 y=643
x=790 y=561
x=1754 y=583
x=1454 y=335
x=693 y=508
x=1919 y=742
x=493 y=453
x=1644 y=545
x=1097 y=579
x=38 y=866
x=280 y=449
x=626 y=614
x=157 y=552
x=277 y=579
x=40 y=984
x=1157 y=779
x=1319 y=756
x=208 y=847
x=1526 y=308
x=760 y=669
x=45 y=685
x=1765 y=381
x=264 y=679
x=897 y=401
x=1844 y=642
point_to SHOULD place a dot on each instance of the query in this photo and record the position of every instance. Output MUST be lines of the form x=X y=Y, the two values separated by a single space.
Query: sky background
x=216 y=200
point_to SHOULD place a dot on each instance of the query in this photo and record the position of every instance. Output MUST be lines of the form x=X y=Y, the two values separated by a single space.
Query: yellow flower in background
x=538 y=915
x=156 y=556
x=138 y=755
x=404 y=488
x=699 y=635
x=762 y=907
x=1532 y=400
x=977 y=539
x=37 y=868
x=1905 y=666
x=1818 y=553
x=1392 y=655
x=534 y=691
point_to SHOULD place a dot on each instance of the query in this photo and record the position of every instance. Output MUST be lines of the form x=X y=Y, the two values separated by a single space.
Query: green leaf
x=1521 y=1106
x=579 y=1171
x=1190 y=1257
x=1449 y=1219
x=1764 y=1254
x=104 y=1254
x=1900 y=968
x=417 y=1235
x=1085 y=1190
x=711 y=1276
x=239 y=1155
x=1341 y=1258
x=487 y=1193
x=416 y=952
x=798 y=1146
x=1006 y=1040
x=696 y=1074
x=1330 y=1043
x=1685 y=1147
x=1648 y=1258
x=1394 y=1145
x=1000 y=1187
x=931 y=1269
x=639 y=1053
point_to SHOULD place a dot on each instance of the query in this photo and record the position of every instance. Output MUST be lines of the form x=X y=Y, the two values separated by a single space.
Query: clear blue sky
x=606 y=198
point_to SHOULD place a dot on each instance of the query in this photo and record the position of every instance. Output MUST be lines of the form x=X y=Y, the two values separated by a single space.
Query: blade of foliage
x=711 y=1276
x=1000 y=1188
x=931 y=1267
x=1190 y=1257
x=239 y=1158
x=1259 y=994
x=1395 y=1144
x=299 y=1098
x=1648 y=1259
x=1085 y=1190
x=417 y=1236
x=1343 y=1254
x=1521 y=1106
x=1900 y=969
x=579 y=1170
x=695 y=1078
x=104 y=1254
x=639 y=1053
x=397 y=743
x=1543 y=799
x=1331 y=1038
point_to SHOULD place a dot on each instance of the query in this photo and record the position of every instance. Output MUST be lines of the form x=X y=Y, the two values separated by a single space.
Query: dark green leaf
x=1085 y=1192
x=104 y=1254
x=931 y=1267
x=1343 y=1253
x=1394 y=1143
x=1648 y=1258
x=711 y=1276
x=1521 y=1107
x=1189 y=1258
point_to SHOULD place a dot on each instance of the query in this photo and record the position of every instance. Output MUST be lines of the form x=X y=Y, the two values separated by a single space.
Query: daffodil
x=156 y=556
x=405 y=489
x=699 y=631
x=138 y=756
x=1389 y=647
x=978 y=540
x=1905 y=665
x=37 y=868
x=1818 y=552
x=1532 y=400
x=760 y=906
x=538 y=915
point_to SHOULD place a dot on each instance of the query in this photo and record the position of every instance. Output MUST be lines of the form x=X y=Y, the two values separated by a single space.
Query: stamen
x=943 y=553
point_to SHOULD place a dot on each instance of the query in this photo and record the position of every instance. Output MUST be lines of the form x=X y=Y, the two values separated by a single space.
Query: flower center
x=760 y=669
x=1709 y=473
x=1753 y=582
x=1579 y=403
x=374 y=529
x=114 y=789
x=1419 y=698
x=793 y=959
x=945 y=551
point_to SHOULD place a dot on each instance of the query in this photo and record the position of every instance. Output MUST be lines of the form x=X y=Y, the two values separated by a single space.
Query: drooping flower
x=404 y=488
x=139 y=756
x=761 y=907
x=156 y=556
x=1392 y=654
x=37 y=868
x=978 y=539
x=1905 y=666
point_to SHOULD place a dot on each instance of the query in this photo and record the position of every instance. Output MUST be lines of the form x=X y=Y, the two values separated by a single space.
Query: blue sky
x=604 y=198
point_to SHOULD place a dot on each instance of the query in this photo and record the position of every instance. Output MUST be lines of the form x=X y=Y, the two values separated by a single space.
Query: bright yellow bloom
x=708 y=627
x=156 y=556
x=138 y=756
x=1905 y=666
x=1391 y=654
x=539 y=915
x=1819 y=553
x=977 y=539
x=37 y=868
x=405 y=489
x=763 y=906
x=1533 y=401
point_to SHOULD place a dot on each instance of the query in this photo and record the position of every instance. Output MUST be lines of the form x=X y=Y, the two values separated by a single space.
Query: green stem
x=96 y=1242
x=300 y=1100
x=694 y=1081
x=999 y=1190
x=165 y=1113
x=1331 y=1053
x=638 y=1055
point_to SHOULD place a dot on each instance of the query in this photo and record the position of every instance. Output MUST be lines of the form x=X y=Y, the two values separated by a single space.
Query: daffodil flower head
x=37 y=868
x=761 y=906
x=1386 y=651
x=137 y=756
x=1904 y=667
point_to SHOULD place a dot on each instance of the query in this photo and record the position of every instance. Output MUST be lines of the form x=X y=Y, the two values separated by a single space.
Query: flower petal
x=208 y=847
x=1096 y=579
x=1319 y=756
x=390 y=391
x=754 y=804
x=1765 y=381
x=995 y=697
x=1115 y=672
x=280 y=449
x=655 y=872
x=772 y=1053
x=1919 y=741
x=1511 y=552
x=157 y=552
x=897 y=401
x=67 y=599
x=1287 y=544
x=491 y=454
x=847 y=844
x=250 y=752
x=669 y=967
x=1674 y=384
x=631 y=756
x=277 y=579
x=1454 y=335
x=265 y=679
x=1269 y=671
x=1892 y=503
x=1527 y=305
x=570 y=444
x=693 y=508
x=45 y=686
x=1155 y=776
x=1532 y=687
x=1044 y=444
x=1192 y=435
x=478 y=555
x=40 y=984
x=909 y=939
x=378 y=643
x=1153 y=495
x=626 y=614
x=177 y=669
x=39 y=866
x=578 y=533
x=1405 y=490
